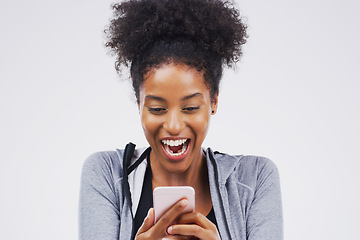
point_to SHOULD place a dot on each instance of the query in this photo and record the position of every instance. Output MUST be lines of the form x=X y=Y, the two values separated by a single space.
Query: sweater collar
x=223 y=164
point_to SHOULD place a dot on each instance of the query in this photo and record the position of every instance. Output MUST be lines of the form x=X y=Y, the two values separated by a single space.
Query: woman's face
x=175 y=108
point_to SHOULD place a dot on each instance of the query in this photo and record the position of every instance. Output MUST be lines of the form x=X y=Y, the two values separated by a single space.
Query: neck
x=194 y=176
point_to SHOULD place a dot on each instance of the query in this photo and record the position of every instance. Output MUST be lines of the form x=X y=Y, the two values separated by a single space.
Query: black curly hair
x=204 y=34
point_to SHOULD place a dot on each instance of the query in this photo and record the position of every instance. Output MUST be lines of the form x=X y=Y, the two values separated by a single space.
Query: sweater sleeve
x=265 y=219
x=99 y=200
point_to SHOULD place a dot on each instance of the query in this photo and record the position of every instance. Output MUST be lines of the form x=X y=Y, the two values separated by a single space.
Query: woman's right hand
x=159 y=231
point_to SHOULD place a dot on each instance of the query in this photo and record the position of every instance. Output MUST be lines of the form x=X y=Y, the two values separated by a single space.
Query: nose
x=174 y=123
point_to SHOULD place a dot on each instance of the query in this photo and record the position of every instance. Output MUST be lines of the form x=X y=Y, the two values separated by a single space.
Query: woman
x=176 y=50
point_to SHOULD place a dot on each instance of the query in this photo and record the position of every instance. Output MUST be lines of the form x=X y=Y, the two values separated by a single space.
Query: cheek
x=200 y=124
x=150 y=125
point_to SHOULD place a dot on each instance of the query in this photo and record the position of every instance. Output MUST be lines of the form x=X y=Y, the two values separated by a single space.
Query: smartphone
x=165 y=197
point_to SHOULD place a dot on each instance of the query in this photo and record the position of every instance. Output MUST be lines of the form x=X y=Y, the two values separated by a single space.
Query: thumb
x=151 y=216
x=148 y=222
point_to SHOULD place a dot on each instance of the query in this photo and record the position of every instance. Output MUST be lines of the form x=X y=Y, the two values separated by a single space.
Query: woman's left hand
x=194 y=224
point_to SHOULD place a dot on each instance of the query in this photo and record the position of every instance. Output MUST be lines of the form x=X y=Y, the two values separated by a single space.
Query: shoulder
x=108 y=162
x=103 y=163
x=102 y=158
x=256 y=165
x=248 y=170
x=255 y=171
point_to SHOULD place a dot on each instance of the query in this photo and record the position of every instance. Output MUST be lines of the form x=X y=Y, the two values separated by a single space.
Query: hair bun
x=213 y=25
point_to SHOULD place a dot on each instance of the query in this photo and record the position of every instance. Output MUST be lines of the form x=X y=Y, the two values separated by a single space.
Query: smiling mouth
x=175 y=148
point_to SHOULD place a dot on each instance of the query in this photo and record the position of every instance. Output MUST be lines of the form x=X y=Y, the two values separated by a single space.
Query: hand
x=159 y=230
x=194 y=224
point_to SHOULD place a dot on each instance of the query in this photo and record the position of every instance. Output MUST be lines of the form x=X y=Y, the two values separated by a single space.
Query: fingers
x=195 y=231
x=177 y=238
x=188 y=230
x=195 y=224
x=170 y=215
x=158 y=231
x=148 y=222
x=196 y=218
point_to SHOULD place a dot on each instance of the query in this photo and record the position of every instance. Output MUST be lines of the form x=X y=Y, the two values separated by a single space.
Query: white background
x=294 y=98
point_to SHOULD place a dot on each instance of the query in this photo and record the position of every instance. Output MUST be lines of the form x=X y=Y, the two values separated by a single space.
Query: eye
x=157 y=110
x=191 y=109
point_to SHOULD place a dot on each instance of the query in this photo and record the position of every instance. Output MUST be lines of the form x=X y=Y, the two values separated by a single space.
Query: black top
x=146 y=201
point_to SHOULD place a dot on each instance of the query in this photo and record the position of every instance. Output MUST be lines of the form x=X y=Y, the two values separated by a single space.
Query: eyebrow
x=184 y=98
x=193 y=95
x=155 y=98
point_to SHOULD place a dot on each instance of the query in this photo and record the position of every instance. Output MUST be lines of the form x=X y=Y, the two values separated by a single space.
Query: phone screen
x=165 y=197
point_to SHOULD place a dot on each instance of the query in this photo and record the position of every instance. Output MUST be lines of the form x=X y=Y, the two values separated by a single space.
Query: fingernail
x=148 y=213
x=183 y=202
x=169 y=230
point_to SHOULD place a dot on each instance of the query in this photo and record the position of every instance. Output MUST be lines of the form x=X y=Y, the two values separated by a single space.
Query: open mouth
x=175 y=148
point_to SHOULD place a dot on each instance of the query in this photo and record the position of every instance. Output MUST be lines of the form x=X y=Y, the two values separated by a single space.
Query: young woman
x=176 y=50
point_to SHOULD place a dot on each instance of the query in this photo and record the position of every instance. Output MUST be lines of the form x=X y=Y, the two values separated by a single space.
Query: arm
x=98 y=205
x=265 y=220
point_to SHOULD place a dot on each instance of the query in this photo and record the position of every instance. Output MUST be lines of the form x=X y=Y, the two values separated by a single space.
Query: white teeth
x=174 y=142
x=168 y=143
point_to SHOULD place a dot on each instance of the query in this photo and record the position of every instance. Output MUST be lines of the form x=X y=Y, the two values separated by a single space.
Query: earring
x=212 y=111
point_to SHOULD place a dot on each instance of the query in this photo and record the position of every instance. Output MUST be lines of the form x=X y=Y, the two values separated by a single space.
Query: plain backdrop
x=293 y=98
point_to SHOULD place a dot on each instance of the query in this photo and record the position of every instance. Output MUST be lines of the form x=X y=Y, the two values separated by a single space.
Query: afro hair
x=205 y=34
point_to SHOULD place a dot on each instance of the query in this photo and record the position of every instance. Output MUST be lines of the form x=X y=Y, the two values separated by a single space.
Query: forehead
x=173 y=80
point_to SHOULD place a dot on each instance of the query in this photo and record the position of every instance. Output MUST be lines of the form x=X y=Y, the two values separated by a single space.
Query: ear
x=214 y=103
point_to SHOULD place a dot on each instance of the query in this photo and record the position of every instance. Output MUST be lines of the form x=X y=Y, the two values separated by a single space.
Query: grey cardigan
x=245 y=191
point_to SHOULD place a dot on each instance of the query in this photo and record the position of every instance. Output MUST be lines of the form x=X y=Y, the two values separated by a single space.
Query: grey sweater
x=245 y=191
